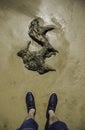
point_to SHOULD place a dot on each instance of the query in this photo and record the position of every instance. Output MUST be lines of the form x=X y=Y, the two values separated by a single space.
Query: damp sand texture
x=69 y=79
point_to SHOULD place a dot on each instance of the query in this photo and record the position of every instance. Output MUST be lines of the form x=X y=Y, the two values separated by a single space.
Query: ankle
x=51 y=115
x=32 y=111
x=51 y=112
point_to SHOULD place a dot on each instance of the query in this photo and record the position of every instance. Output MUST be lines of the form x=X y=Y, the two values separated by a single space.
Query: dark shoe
x=30 y=102
x=51 y=106
x=52 y=103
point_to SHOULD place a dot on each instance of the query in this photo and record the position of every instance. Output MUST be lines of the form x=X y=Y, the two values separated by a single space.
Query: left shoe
x=30 y=102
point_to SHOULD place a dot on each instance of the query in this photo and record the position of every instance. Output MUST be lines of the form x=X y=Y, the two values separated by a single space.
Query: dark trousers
x=31 y=124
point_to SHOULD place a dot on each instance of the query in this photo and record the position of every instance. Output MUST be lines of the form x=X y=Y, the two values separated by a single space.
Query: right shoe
x=51 y=106
x=30 y=102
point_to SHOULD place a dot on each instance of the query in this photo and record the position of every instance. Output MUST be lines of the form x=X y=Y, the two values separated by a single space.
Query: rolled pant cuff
x=58 y=125
x=29 y=124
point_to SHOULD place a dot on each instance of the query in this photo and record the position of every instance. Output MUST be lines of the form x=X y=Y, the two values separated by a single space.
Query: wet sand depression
x=69 y=79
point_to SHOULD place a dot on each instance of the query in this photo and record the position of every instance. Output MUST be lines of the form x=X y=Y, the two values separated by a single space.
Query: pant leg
x=58 y=125
x=29 y=124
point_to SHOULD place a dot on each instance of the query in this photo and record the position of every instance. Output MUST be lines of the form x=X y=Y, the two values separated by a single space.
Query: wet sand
x=69 y=79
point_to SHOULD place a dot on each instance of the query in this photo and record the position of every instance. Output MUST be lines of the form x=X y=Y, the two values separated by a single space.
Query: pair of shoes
x=52 y=103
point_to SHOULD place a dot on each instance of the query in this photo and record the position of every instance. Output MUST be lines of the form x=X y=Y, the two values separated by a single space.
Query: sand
x=69 y=79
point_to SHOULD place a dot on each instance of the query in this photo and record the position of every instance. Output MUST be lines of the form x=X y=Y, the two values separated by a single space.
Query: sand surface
x=69 y=79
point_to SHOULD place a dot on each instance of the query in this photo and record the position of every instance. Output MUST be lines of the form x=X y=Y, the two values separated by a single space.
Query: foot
x=30 y=102
x=51 y=104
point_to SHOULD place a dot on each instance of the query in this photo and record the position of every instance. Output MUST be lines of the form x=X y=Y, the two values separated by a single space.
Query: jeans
x=31 y=124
